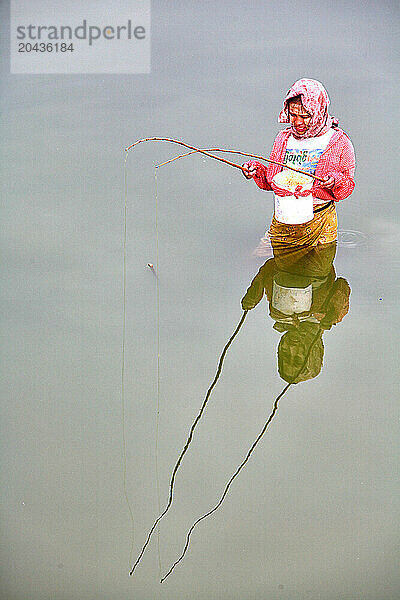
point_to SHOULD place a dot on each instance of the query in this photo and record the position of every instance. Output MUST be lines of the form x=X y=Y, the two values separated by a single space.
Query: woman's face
x=299 y=118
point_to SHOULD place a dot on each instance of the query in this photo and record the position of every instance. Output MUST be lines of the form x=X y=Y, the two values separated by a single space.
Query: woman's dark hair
x=295 y=99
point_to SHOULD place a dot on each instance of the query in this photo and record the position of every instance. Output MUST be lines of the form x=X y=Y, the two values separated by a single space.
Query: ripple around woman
x=313 y=143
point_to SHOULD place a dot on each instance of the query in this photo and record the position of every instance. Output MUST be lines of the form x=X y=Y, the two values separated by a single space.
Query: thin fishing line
x=275 y=408
x=124 y=450
x=158 y=370
x=189 y=439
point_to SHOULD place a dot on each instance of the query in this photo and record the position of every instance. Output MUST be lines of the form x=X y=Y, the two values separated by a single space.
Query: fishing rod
x=224 y=160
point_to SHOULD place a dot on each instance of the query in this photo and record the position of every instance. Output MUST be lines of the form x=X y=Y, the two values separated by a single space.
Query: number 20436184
x=42 y=47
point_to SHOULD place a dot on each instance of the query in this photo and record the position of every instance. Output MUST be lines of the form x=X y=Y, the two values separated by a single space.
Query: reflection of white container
x=292 y=209
x=291 y=300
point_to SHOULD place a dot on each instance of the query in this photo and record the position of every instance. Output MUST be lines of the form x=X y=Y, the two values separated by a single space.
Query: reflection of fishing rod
x=189 y=439
x=228 y=162
x=253 y=446
x=240 y=467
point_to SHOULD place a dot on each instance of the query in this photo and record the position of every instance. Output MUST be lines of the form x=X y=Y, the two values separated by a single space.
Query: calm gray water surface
x=314 y=514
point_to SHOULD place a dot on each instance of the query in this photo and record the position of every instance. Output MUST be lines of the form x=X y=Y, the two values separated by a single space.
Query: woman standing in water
x=313 y=143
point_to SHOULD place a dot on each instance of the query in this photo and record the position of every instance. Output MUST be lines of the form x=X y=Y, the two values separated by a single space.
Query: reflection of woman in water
x=313 y=143
x=305 y=299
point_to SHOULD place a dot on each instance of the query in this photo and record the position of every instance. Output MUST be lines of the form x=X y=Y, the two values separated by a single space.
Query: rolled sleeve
x=344 y=185
x=339 y=164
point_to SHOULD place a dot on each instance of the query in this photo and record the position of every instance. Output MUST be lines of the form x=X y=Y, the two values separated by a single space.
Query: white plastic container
x=289 y=208
x=291 y=300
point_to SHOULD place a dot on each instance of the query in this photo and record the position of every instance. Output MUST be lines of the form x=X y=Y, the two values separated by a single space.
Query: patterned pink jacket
x=337 y=160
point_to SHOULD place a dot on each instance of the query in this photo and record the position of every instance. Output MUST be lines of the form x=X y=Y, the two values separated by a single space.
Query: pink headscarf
x=316 y=101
